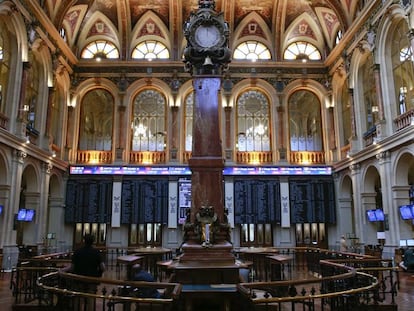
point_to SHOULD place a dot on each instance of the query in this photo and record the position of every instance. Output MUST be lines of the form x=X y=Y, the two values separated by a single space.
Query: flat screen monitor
x=379 y=214
x=410 y=242
x=406 y=212
x=371 y=215
x=1 y=209
x=29 y=215
x=21 y=214
x=25 y=214
x=403 y=243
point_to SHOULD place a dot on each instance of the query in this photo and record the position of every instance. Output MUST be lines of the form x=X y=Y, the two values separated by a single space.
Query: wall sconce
x=348 y=155
x=27 y=140
x=374 y=109
x=53 y=154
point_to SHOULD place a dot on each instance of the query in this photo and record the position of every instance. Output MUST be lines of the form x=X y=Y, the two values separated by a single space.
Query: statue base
x=218 y=252
x=214 y=264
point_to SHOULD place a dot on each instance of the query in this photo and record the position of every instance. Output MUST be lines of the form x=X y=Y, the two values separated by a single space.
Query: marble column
x=207 y=161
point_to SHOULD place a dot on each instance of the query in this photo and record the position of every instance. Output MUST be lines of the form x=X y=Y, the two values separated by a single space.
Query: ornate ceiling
x=274 y=22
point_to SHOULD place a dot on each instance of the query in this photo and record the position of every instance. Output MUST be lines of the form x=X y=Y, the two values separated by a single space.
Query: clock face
x=207 y=35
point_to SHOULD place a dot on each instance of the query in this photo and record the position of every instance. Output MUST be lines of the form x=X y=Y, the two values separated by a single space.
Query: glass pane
x=148 y=126
x=149 y=233
x=305 y=124
x=96 y=121
x=133 y=234
x=151 y=50
x=260 y=234
x=141 y=234
x=251 y=233
x=245 y=233
x=253 y=122
x=252 y=50
x=298 y=50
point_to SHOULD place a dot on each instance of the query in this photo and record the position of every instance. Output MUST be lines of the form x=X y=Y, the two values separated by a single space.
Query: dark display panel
x=88 y=200
x=312 y=200
x=257 y=201
x=144 y=201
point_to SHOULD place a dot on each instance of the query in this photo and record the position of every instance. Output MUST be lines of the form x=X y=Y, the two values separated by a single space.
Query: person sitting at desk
x=408 y=261
x=139 y=274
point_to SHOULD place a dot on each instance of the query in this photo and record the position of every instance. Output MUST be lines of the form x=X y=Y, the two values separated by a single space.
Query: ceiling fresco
x=124 y=21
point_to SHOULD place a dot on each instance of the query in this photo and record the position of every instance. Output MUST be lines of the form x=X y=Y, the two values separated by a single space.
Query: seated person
x=408 y=262
x=139 y=274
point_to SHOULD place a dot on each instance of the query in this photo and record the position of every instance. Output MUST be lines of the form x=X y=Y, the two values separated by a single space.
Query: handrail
x=335 y=276
x=174 y=293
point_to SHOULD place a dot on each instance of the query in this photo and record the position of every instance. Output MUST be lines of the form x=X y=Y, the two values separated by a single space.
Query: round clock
x=207 y=36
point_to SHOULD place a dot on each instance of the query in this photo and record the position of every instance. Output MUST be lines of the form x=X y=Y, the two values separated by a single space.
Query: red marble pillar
x=207 y=161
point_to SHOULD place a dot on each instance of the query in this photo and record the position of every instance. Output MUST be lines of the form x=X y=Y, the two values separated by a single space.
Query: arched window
x=189 y=107
x=96 y=121
x=100 y=49
x=253 y=132
x=150 y=50
x=402 y=64
x=251 y=50
x=4 y=65
x=368 y=89
x=148 y=122
x=302 y=51
x=305 y=122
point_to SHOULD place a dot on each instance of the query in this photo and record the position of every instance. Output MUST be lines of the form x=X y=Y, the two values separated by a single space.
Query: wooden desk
x=150 y=257
x=277 y=266
x=221 y=297
x=128 y=261
x=257 y=255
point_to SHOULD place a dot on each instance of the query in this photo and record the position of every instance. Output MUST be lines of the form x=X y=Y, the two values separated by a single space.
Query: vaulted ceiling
x=275 y=22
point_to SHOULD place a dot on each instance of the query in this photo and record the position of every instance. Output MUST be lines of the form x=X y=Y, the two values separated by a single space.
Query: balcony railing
x=370 y=136
x=307 y=157
x=254 y=157
x=404 y=120
x=4 y=121
x=147 y=157
x=94 y=157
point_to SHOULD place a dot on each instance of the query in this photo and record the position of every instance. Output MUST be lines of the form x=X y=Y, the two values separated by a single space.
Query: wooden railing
x=254 y=157
x=65 y=291
x=333 y=281
x=147 y=157
x=307 y=157
x=186 y=156
x=94 y=157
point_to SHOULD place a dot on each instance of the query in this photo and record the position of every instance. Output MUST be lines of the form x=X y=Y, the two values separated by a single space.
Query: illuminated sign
x=183 y=170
